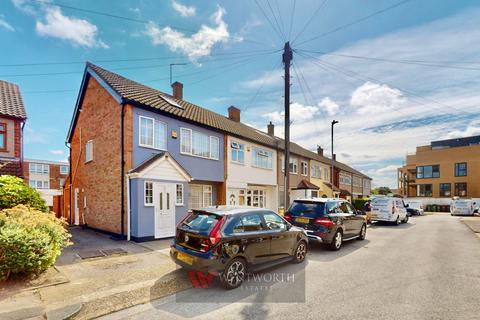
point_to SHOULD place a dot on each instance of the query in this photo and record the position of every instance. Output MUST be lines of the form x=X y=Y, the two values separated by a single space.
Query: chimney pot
x=234 y=114
x=320 y=150
x=271 y=129
x=177 y=88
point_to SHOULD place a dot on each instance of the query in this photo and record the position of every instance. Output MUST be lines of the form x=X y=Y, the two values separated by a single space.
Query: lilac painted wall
x=198 y=168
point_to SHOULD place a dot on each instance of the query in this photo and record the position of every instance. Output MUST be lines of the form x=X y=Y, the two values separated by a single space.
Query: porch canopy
x=306 y=185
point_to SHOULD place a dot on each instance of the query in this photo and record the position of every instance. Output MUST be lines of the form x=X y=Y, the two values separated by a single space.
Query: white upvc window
x=237 y=152
x=148 y=193
x=39 y=168
x=262 y=158
x=293 y=165
x=89 y=151
x=199 y=144
x=39 y=184
x=200 y=196
x=153 y=133
x=179 y=194
x=64 y=169
x=304 y=168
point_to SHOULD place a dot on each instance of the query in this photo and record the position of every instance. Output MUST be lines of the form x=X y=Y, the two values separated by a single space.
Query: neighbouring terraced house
x=12 y=121
x=141 y=158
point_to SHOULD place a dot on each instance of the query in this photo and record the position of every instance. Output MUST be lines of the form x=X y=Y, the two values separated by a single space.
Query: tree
x=14 y=191
x=381 y=190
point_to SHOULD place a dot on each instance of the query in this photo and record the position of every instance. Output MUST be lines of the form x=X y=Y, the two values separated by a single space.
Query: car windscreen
x=307 y=208
x=200 y=222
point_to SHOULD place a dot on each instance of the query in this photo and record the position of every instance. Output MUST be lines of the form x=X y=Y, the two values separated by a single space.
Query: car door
x=357 y=219
x=401 y=208
x=253 y=238
x=348 y=220
x=282 y=241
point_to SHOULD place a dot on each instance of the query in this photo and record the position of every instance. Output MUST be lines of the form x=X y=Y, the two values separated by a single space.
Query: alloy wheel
x=301 y=251
x=338 y=240
x=235 y=273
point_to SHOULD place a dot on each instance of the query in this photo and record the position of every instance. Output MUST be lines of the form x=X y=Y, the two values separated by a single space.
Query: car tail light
x=215 y=233
x=326 y=222
x=287 y=217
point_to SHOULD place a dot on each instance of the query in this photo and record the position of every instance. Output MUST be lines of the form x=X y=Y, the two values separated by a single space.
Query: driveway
x=426 y=269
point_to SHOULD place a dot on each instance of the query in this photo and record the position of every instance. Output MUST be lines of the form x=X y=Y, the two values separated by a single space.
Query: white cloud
x=298 y=113
x=25 y=6
x=185 y=11
x=78 y=32
x=371 y=97
x=197 y=45
x=472 y=129
x=56 y=152
x=330 y=106
x=5 y=24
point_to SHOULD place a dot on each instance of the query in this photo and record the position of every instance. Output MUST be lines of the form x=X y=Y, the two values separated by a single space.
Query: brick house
x=12 y=121
x=140 y=158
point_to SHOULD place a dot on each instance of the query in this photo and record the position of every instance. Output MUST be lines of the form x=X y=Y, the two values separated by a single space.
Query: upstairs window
x=461 y=189
x=199 y=144
x=63 y=169
x=262 y=158
x=304 y=168
x=424 y=172
x=293 y=165
x=237 y=152
x=89 y=151
x=39 y=168
x=153 y=133
x=461 y=169
x=3 y=136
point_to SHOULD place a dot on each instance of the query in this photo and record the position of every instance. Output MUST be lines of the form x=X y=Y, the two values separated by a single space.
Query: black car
x=229 y=242
x=328 y=221
x=413 y=212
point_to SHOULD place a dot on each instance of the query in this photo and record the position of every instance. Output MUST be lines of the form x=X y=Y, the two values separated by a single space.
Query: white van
x=390 y=209
x=415 y=204
x=462 y=207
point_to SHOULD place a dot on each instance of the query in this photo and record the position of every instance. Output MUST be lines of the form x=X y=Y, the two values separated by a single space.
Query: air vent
x=171 y=102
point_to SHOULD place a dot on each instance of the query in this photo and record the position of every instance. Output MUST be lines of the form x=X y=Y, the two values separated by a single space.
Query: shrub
x=359 y=204
x=14 y=191
x=30 y=241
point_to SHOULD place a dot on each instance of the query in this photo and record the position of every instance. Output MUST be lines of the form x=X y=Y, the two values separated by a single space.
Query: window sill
x=150 y=147
x=88 y=161
x=148 y=204
x=237 y=163
x=269 y=169
x=200 y=157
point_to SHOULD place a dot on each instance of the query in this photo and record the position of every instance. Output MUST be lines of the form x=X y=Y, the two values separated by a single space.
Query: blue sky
x=385 y=108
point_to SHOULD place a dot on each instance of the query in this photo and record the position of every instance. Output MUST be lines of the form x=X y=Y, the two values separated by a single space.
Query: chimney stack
x=271 y=129
x=334 y=157
x=177 y=90
x=320 y=151
x=234 y=114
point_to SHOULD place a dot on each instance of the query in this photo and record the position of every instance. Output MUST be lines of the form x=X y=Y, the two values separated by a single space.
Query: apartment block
x=445 y=168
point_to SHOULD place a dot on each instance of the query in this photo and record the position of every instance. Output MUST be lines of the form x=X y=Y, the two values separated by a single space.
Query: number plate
x=302 y=220
x=184 y=257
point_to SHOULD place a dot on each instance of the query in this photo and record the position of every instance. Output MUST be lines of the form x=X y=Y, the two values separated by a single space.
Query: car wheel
x=234 y=274
x=363 y=233
x=405 y=220
x=337 y=241
x=300 y=252
x=398 y=221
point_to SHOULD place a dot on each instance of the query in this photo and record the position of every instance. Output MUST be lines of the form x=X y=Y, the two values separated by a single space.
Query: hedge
x=14 y=191
x=359 y=204
x=30 y=241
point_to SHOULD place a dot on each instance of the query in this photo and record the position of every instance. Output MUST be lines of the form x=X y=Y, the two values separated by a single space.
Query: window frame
x=304 y=165
x=456 y=193
x=422 y=169
x=424 y=193
x=237 y=150
x=182 y=203
x=191 y=144
x=256 y=151
x=4 y=132
x=442 y=191
x=294 y=163
x=457 y=170
x=89 y=151
x=64 y=166
x=145 y=203
x=154 y=122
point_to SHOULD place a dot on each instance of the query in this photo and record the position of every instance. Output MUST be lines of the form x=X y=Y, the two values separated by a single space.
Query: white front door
x=76 y=209
x=164 y=203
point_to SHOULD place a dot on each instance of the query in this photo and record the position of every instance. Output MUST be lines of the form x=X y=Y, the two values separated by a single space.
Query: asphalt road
x=426 y=269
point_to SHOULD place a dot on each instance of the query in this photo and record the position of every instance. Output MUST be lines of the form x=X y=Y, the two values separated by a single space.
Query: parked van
x=415 y=205
x=462 y=207
x=389 y=209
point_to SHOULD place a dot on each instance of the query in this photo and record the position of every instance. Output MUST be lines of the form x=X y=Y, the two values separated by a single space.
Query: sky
x=395 y=74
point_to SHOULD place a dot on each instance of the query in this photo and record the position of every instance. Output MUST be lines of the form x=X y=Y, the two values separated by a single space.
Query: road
x=426 y=269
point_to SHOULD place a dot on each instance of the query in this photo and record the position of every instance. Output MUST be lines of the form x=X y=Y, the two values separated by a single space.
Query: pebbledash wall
x=203 y=171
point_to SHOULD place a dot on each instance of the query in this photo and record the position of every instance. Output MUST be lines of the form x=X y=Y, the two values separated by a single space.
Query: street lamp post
x=333 y=161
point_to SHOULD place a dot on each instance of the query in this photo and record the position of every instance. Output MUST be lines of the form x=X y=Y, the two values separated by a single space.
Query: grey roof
x=11 y=103
x=456 y=142
x=137 y=93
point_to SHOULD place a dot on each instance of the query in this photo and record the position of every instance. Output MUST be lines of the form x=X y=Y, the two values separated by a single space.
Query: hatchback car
x=327 y=221
x=231 y=241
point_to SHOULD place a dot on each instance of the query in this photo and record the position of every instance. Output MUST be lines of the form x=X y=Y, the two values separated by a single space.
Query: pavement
x=428 y=268
x=116 y=275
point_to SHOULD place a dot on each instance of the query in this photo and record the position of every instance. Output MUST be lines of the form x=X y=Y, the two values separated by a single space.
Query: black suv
x=328 y=221
x=230 y=242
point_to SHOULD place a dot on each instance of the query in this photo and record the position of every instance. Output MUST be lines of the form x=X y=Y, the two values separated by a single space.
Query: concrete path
x=426 y=269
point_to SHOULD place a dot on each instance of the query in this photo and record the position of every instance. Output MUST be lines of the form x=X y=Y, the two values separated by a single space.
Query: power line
x=401 y=61
x=305 y=82
x=277 y=63
x=310 y=20
x=269 y=21
x=356 y=21
x=291 y=18
x=301 y=86
x=276 y=21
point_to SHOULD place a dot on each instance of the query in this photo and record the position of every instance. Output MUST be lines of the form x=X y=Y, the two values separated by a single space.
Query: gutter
x=128 y=206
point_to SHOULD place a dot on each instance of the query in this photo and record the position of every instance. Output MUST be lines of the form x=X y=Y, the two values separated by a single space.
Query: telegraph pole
x=334 y=122
x=287 y=58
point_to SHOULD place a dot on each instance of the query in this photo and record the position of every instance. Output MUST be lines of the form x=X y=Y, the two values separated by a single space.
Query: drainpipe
x=122 y=171
x=70 y=175
x=128 y=206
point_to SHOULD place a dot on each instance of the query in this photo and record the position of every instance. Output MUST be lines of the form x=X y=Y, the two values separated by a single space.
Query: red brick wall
x=55 y=175
x=100 y=179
